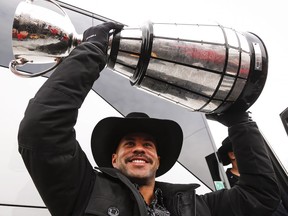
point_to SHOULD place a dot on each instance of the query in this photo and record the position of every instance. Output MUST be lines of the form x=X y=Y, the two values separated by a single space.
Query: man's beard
x=139 y=181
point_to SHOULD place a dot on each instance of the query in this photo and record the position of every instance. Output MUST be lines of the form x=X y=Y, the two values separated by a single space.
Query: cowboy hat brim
x=108 y=132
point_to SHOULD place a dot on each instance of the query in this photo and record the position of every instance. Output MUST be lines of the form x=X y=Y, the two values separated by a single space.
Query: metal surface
x=206 y=68
x=42 y=33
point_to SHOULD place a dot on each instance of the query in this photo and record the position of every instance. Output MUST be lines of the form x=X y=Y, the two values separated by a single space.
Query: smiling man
x=141 y=148
x=136 y=157
x=130 y=152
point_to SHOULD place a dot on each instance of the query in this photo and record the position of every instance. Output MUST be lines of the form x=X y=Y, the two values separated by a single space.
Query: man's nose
x=138 y=148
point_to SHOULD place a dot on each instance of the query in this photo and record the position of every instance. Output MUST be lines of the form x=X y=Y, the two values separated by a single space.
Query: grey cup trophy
x=204 y=68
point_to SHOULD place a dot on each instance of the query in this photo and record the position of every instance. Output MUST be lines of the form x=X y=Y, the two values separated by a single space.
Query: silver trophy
x=42 y=33
x=205 y=68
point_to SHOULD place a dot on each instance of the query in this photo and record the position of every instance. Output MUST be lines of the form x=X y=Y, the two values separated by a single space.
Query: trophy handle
x=14 y=63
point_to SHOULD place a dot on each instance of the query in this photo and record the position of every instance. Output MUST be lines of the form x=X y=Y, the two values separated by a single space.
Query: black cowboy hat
x=223 y=151
x=108 y=132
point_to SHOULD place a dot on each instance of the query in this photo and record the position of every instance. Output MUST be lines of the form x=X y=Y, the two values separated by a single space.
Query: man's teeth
x=138 y=161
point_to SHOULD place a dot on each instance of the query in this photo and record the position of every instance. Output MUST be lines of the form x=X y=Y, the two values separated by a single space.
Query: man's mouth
x=139 y=159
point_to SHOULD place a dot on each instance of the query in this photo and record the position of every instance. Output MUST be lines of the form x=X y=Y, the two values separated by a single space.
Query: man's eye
x=129 y=144
x=148 y=144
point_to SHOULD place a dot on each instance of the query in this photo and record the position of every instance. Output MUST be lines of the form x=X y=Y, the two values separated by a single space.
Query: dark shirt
x=157 y=208
x=231 y=177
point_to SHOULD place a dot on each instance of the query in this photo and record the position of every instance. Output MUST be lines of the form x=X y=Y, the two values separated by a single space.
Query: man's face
x=136 y=157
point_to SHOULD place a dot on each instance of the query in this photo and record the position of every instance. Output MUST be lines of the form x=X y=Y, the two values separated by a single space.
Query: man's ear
x=158 y=162
x=114 y=158
x=231 y=155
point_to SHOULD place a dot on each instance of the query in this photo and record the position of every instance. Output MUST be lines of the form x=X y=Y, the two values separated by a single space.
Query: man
x=130 y=152
x=227 y=156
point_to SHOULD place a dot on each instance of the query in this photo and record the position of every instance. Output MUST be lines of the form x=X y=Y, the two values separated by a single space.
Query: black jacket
x=69 y=185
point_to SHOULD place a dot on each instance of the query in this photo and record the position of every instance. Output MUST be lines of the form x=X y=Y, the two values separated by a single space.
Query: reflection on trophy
x=41 y=35
x=205 y=68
